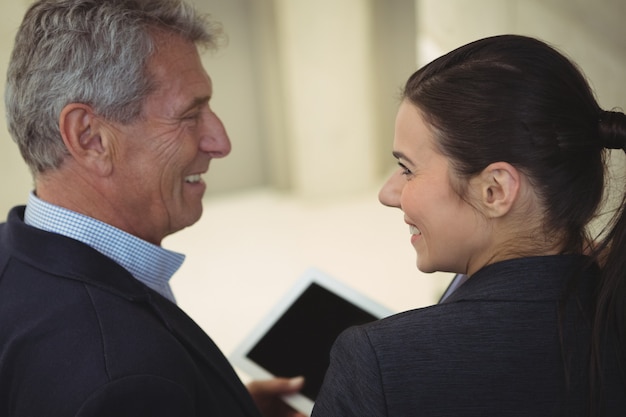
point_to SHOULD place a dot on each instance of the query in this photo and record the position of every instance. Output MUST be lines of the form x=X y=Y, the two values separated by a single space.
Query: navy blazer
x=492 y=349
x=79 y=336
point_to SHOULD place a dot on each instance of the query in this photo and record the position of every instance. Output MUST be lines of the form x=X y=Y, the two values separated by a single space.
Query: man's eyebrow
x=197 y=102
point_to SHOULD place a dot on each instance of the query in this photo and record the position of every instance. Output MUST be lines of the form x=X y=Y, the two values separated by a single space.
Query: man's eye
x=192 y=116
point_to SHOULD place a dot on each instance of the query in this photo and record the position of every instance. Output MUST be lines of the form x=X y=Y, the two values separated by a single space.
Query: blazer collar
x=537 y=278
x=66 y=257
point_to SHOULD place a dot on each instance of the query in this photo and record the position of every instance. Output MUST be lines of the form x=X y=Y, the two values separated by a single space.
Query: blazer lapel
x=197 y=341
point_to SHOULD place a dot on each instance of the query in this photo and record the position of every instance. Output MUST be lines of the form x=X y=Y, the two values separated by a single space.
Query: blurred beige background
x=308 y=92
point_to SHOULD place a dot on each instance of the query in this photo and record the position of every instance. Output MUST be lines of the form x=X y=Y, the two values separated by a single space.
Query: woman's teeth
x=414 y=230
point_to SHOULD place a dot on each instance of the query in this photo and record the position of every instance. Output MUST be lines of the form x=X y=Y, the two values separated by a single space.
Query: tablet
x=295 y=338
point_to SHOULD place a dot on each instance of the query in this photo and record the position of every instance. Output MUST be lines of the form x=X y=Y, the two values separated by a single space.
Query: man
x=110 y=107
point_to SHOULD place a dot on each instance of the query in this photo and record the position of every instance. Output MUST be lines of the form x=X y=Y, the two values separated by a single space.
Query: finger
x=277 y=385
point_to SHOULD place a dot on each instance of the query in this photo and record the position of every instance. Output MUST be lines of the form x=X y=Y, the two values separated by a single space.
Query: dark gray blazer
x=79 y=336
x=492 y=349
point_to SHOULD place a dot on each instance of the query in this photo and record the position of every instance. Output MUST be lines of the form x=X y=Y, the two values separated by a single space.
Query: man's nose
x=214 y=139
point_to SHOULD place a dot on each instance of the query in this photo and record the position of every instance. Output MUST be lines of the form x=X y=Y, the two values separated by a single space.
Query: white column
x=325 y=60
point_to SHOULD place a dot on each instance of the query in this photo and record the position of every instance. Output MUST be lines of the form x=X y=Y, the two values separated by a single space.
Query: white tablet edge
x=312 y=275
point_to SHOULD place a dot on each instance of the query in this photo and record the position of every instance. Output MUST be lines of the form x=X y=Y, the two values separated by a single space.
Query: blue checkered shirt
x=149 y=263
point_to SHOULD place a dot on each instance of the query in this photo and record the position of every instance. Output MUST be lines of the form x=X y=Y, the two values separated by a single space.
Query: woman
x=501 y=147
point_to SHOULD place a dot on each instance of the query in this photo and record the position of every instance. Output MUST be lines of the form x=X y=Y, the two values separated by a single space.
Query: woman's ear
x=499 y=185
x=85 y=138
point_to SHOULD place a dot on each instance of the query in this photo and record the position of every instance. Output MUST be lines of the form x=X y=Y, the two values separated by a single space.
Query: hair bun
x=612 y=129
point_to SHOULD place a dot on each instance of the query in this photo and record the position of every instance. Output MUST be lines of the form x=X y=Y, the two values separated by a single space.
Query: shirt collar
x=148 y=263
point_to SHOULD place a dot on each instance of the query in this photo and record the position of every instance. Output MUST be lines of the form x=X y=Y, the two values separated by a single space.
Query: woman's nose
x=389 y=194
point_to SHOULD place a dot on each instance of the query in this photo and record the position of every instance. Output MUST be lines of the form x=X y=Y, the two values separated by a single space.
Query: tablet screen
x=295 y=339
x=300 y=340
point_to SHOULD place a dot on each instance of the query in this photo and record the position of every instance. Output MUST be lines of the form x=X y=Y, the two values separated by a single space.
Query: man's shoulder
x=71 y=331
x=70 y=300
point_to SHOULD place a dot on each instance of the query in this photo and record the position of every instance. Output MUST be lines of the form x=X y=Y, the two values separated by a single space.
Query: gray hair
x=93 y=52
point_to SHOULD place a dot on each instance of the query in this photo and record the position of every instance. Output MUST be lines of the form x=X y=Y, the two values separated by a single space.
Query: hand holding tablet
x=295 y=338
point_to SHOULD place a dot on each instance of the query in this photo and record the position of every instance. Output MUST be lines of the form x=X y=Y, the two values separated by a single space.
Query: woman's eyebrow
x=400 y=155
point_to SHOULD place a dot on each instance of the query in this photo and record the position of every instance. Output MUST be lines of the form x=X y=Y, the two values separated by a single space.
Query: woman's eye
x=404 y=169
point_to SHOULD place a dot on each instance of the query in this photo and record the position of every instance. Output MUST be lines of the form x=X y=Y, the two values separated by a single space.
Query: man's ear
x=500 y=185
x=85 y=138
